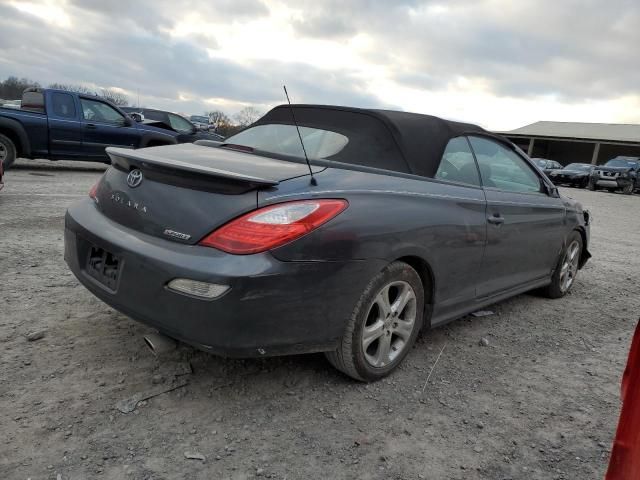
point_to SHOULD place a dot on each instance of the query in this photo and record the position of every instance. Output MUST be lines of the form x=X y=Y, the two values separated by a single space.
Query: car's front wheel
x=591 y=185
x=567 y=269
x=628 y=189
x=383 y=326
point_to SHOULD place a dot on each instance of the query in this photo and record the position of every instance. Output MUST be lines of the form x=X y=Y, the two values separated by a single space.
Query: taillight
x=94 y=190
x=273 y=226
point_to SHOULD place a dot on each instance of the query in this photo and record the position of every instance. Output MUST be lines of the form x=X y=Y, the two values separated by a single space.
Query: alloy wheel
x=389 y=324
x=569 y=268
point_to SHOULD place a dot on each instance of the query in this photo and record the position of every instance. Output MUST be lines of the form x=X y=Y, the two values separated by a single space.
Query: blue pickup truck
x=58 y=125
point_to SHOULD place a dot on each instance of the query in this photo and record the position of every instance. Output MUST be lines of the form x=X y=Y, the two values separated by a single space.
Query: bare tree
x=117 y=98
x=218 y=118
x=247 y=116
x=70 y=87
x=109 y=94
x=12 y=87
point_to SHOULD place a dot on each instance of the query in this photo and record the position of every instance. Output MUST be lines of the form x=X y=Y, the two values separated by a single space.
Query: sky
x=501 y=64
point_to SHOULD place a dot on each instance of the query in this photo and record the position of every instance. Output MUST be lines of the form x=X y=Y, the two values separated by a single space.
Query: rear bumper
x=272 y=307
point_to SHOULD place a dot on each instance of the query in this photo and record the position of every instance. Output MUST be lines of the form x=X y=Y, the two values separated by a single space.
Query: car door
x=65 y=127
x=460 y=244
x=104 y=126
x=524 y=223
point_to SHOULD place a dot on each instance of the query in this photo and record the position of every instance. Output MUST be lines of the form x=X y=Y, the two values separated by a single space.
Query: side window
x=180 y=124
x=96 y=111
x=63 y=105
x=457 y=164
x=503 y=168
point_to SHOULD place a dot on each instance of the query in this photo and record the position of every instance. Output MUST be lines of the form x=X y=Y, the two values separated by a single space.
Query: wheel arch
x=584 y=254
x=13 y=130
x=427 y=278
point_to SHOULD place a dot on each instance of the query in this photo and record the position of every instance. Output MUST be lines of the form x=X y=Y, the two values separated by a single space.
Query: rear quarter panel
x=392 y=217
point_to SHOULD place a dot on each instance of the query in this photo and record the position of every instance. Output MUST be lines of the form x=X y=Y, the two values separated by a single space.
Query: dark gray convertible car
x=398 y=221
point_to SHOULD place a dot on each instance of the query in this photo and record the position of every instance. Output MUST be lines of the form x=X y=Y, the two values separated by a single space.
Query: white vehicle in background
x=11 y=104
x=200 y=121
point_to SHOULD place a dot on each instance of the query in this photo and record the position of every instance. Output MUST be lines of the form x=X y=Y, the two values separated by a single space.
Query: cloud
x=415 y=55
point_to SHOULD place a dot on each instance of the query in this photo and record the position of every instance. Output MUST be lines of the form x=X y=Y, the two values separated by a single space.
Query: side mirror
x=138 y=117
x=550 y=190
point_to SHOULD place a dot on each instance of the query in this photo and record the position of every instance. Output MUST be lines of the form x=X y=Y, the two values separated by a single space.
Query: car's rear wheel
x=567 y=269
x=383 y=326
x=7 y=151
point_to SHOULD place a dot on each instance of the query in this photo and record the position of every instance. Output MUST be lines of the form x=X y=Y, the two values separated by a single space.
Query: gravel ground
x=540 y=401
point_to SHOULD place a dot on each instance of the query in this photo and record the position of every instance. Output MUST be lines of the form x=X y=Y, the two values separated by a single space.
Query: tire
x=7 y=151
x=628 y=190
x=568 y=264
x=396 y=330
x=591 y=185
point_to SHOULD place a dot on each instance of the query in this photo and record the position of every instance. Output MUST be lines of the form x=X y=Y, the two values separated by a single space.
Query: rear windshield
x=328 y=134
x=578 y=166
x=156 y=115
x=284 y=140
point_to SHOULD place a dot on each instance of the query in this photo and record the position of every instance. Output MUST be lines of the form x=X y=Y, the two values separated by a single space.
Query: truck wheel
x=7 y=151
x=591 y=185
x=567 y=268
x=628 y=190
x=383 y=326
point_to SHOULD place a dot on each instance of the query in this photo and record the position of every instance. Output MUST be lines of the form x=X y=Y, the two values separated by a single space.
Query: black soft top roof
x=419 y=140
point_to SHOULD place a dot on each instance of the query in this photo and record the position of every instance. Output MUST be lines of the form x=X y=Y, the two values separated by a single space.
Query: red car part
x=625 y=456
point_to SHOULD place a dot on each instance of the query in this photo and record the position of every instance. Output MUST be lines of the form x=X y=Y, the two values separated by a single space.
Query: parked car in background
x=200 y=121
x=10 y=104
x=547 y=165
x=186 y=130
x=618 y=174
x=574 y=175
x=61 y=125
x=395 y=221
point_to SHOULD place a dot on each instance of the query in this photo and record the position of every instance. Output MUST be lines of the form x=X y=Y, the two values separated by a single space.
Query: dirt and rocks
x=529 y=392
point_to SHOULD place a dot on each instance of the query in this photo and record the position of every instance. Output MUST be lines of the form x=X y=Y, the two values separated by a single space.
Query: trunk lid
x=183 y=192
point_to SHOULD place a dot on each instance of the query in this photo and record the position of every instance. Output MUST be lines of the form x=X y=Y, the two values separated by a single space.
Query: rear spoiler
x=126 y=159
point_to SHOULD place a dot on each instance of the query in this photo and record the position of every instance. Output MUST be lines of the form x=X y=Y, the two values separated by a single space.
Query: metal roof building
x=568 y=142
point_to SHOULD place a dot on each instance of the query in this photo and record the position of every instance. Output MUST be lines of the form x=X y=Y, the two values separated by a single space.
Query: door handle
x=496 y=219
x=91 y=126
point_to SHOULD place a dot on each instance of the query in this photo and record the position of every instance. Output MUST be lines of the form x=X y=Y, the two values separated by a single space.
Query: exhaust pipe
x=159 y=344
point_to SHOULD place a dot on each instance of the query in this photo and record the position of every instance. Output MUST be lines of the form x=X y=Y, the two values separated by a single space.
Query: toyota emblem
x=134 y=178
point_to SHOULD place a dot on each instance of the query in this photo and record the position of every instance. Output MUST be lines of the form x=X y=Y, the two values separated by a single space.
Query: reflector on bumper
x=197 y=289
